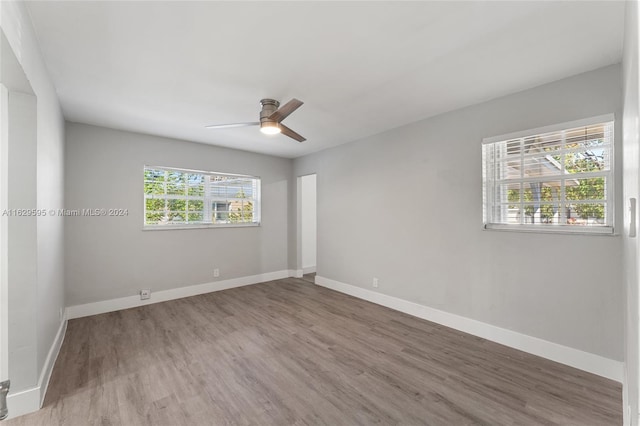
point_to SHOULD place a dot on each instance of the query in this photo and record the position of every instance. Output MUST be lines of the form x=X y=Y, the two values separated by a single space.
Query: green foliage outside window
x=180 y=197
x=546 y=197
x=242 y=214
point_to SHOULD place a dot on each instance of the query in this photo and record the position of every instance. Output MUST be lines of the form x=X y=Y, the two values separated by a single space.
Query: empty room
x=319 y=213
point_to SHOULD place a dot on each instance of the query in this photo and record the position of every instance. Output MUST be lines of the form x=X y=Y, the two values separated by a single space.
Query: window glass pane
x=549 y=213
x=181 y=197
x=241 y=211
x=544 y=144
x=176 y=183
x=586 y=189
x=507 y=192
x=221 y=217
x=512 y=147
x=555 y=178
x=154 y=204
x=586 y=137
x=246 y=189
x=585 y=161
x=154 y=181
x=196 y=205
x=586 y=214
x=513 y=215
x=153 y=218
x=176 y=205
x=196 y=217
x=509 y=168
x=549 y=190
x=195 y=185
x=507 y=213
x=176 y=216
x=541 y=165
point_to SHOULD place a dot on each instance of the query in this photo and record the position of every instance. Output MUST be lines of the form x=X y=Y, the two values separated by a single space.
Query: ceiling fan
x=270 y=119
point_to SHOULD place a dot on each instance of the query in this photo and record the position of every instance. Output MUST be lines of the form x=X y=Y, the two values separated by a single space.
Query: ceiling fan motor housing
x=269 y=106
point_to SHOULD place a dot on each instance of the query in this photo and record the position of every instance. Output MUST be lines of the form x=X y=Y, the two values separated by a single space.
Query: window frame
x=257 y=199
x=610 y=199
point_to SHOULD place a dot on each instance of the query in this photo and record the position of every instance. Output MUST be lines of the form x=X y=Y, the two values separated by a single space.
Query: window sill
x=553 y=229
x=203 y=226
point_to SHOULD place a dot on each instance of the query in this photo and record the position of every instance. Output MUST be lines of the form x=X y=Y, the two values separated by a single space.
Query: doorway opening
x=308 y=226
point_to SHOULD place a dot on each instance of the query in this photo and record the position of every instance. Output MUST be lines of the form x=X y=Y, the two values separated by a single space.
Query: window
x=185 y=198
x=559 y=178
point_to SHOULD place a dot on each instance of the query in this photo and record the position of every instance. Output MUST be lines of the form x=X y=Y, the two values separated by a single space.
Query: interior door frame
x=4 y=287
x=299 y=243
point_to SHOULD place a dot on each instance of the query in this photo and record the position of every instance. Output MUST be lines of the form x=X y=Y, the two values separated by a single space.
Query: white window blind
x=558 y=179
x=177 y=197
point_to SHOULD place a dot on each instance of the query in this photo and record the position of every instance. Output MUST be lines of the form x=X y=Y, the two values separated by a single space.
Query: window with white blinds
x=177 y=197
x=557 y=179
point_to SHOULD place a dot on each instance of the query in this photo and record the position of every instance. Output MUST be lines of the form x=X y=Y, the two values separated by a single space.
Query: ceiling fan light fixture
x=270 y=128
x=271 y=117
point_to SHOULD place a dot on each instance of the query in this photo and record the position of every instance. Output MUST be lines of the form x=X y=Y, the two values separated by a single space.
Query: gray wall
x=406 y=206
x=111 y=257
x=631 y=176
x=47 y=263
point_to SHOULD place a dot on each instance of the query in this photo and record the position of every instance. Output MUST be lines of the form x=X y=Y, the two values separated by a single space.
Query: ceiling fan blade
x=228 y=126
x=286 y=109
x=293 y=135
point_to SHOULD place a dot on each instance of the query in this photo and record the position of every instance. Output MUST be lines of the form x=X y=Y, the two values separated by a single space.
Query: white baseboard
x=30 y=400
x=298 y=273
x=626 y=404
x=23 y=402
x=309 y=270
x=576 y=358
x=52 y=356
x=95 y=308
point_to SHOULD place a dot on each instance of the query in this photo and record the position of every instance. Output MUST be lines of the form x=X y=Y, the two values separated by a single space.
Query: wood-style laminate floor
x=288 y=352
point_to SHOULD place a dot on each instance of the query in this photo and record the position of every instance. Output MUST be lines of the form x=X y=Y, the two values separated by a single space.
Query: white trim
x=206 y=172
x=552 y=229
x=4 y=220
x=30 y=400
x=309 y=270
x=199 y=226
x=626 y=407
x=298 y=273
x=576 y=358
x=23 y=402
x=95 y=308
x=52 y=356
x=551 y=128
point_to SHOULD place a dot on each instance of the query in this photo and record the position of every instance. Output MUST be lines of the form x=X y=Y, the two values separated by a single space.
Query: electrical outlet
x=216 y=273
x=375 y=282
x=145 y=294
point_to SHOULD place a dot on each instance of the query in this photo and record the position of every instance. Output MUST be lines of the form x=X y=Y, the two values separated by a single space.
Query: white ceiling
x=170 y=68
